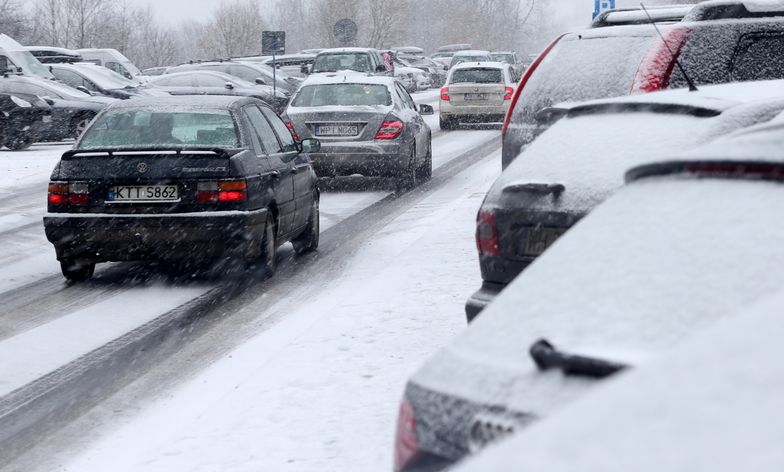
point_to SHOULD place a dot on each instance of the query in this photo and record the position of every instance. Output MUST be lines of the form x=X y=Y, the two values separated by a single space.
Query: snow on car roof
x=713 y=403
x=754 y=6
x=205 y=102
x=472 y=52
x=345 y=50
x=348 y=77
x=486 y=64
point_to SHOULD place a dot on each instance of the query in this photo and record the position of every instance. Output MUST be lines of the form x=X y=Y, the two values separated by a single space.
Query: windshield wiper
x=546 y=356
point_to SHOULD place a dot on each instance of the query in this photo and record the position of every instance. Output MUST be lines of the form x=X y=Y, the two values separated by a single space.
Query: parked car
x=293 y=65
x=22 y=119
x=450 y=49
x=432 y=68
x=367 y=125
x=476 y=92
x=14 y=58
x=409 y=50
x=53 y=55
x=571 y=167
x=676 y=251
x=71 y=109
x=94 y=79
x=182 y=178
x=357 y=59
x=412 y=78
x=112 y=59
x=469 y=56
x=154 y=71
x=510 y=58
x=251 y=72
x=203 y=82
x=620 y=60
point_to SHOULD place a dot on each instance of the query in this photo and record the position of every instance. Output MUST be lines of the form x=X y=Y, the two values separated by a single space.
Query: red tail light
x=389 y=130
x=657 y=66
x=222 y=191
x=509 y=93
x=445 y=94
x=406 y=440
x=291 y=129
x=74 y=193
x=487 y=233
x=528 y=73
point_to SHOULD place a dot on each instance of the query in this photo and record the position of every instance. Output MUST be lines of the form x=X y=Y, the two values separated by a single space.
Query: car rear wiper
x=546 y=356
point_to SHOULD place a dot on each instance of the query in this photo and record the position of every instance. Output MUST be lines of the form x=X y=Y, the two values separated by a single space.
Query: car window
x=180 y=81
x=759 y=57
x=284 y=135
x=204 y=80
x=404 y=95
x=477 y=76
x=68 y=77
x=264 y=130
x=346 y=61
x=245 y=73
x=342 y=95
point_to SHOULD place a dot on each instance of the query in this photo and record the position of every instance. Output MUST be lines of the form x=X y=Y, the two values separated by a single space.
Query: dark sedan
x=22 y=118
x=202 y=82
x=92 y=78
x=72 y=110
x=368 y=125
x=187 y=180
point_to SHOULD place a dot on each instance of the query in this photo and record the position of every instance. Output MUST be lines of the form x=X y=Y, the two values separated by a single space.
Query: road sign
x=345 y=31
x=601 y=5
x=273 y=43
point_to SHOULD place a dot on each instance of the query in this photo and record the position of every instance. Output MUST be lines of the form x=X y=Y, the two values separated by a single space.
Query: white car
x=412 y=78
x=476 y=92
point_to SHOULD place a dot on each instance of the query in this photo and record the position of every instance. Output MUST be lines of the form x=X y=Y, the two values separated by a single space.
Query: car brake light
x=390 y=129
x=222 y=191
x=656 y=67
x=487 y=233
x=291 y=129
x=509 y=92
x=406 y=441
x=445 y=94
x=74 y=193
x=524 y=80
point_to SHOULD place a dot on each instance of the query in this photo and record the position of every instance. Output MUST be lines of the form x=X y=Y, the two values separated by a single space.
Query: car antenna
x=692 y=87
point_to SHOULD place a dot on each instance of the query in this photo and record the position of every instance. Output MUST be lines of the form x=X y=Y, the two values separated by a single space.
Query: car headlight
x=21 y=102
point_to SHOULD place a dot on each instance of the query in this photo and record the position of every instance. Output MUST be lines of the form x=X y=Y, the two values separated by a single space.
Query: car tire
x=75 y=271
x=409 y=179
x=18 y=143
x=308 y=240
x=446 y=124
x=425 y=172
x=269 y=246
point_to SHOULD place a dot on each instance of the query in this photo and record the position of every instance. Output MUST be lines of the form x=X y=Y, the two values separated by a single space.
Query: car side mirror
x=49 y=100
x=381 y=68
x=229 y=85
x=260 y=81
x=83 y=89
x=309 y=146
x=426 y=109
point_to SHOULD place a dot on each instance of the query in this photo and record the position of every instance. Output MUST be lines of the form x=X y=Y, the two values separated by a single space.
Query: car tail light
x=656 y=67
x=487 y=233
x=524 y=80
x=406 y=440
x=445 y=94
x=222 y=191
x=389 y=129
x=509 y=92
x=74 y=193
x=291 y=129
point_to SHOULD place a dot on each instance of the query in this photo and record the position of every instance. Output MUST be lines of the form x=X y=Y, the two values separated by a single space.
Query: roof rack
x=637 y=16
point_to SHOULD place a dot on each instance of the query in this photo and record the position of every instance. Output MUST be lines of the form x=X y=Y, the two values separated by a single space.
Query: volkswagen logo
x=476 y=89
x=142 y=167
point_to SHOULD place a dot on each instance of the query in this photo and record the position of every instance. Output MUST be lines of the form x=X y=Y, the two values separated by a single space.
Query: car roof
x=485 y=64
x=631 y=16
x=346 y=50
x=472 y=52
x=185 y=101
x=717 y=9
x=350 y=78
x=712 y=403
x=63 y=51
x=214 y=73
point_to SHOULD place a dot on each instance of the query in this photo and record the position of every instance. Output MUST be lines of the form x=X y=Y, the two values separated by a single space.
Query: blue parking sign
x=601 y=5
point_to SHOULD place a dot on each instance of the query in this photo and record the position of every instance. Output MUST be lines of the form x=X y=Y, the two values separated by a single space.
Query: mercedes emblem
x=142 y=167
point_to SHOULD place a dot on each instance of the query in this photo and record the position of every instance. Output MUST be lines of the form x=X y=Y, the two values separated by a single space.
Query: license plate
x=337 y=130
x=47 y=119
x=144 y=193
x=539 y=239
x=475 y=96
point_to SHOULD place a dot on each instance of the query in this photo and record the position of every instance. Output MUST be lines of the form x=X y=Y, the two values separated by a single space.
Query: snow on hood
x=713 y=403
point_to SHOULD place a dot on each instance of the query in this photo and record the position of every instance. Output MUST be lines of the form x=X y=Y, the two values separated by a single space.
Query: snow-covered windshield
x=478 y=76
x=342 y=95
x=508 y=58
x=28 y=63
x=343 y=61
x=108 y=79
x=123 y=129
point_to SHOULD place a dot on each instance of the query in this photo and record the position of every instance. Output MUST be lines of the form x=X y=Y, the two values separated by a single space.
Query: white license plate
x=539 y=239
x=144 y=193
x=475 y=96
x=337 y=130
x=47 y=119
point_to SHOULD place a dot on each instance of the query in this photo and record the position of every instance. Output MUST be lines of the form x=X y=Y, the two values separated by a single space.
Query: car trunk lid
x=356 y=123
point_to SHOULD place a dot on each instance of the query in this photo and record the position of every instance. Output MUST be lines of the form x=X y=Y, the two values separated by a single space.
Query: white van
x=111 y=59
x=14 y=58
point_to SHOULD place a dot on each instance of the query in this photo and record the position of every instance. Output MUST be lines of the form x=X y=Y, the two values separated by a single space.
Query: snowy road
x=46 y=325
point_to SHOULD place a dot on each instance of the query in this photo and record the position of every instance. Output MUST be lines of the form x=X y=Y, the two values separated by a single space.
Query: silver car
x=367 y=125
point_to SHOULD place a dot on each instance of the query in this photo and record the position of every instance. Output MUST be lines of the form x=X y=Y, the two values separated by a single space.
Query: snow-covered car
x=23 y=118
x=92 y=78
x=581 y=159
x=470 y=55
x=251 y=72
x=619 y=60
x=367 y=60
x=476 y=92
x=412 y=78
x=181 y=179
x=114 y=60
x=711 y=402
x=367 y=125
x=690 y=241
x=18 y=60
x=511 y=58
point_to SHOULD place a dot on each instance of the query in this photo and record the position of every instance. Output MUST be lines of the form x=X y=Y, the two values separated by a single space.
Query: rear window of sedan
x=149 y=128
x=342 y=95
x=478 y=76
x=348 y=61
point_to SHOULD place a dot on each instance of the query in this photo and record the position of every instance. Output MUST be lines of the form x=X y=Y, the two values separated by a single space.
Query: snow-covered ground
x=320 y=389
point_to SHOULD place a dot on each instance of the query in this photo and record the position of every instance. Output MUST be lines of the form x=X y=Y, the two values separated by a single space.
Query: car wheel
x=269 y=246
x=308 y=240
x=409 y=178
x=79 y=124
x=18 y=143
x=425 y=172
x=446 y=124
x=75 y=271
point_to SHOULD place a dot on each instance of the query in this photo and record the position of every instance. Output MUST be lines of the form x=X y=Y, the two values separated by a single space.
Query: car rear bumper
x=494 y=113
x=113 y=237
x=481 y=298
x=368 y=158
